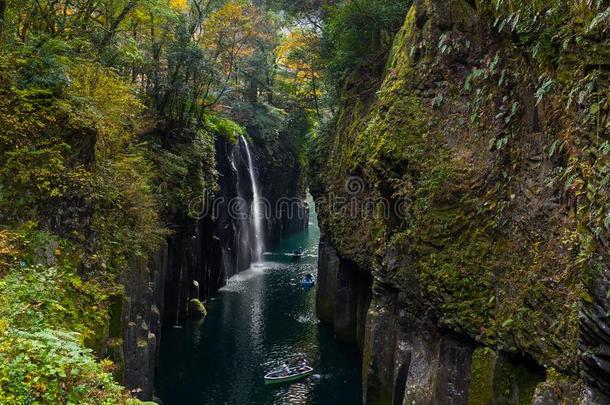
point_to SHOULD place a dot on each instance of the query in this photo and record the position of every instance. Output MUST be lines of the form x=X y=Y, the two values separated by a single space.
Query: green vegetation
x=48 y=313
x=358 y=35
x=49 y=366
x=196 y=309
x=568 y=43
x=110 y=114
x=489 y=123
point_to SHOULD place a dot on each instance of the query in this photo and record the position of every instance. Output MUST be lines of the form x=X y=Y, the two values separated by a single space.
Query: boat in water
x=308 y=281
x=288 y=375
x=297 y=253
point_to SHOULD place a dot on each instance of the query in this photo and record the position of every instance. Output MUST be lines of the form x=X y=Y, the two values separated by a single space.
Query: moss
x=514 y=383
x=464 y=16
x=115 y=353
x=383 y=398
x=196 y=309
x=497 y=379
x=115 y=329
x=400 y=54
x=481 y=377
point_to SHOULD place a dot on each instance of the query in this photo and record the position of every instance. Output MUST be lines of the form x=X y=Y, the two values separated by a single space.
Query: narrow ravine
x=261 y=318
x=159 y=162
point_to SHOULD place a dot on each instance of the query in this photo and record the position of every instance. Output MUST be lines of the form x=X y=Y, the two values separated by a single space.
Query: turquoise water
x=261 y=318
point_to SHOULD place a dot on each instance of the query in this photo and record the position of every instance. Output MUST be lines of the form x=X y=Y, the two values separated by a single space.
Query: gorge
x=170 y=170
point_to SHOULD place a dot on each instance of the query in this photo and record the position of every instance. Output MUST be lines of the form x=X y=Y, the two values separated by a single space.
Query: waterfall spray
x=257 y=215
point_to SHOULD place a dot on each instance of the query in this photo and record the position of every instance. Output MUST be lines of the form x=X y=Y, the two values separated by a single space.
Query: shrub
x=359 y=33
x=51 y=367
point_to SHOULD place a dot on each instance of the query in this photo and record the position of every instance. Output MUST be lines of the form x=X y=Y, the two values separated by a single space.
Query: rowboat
x=308 y=281
x=292 y=374
x=297 y=253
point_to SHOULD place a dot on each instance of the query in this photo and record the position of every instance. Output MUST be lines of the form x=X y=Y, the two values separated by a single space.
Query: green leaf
x=599 y=18
x=553 y=148
x=438 y=100
x=544 y=90
x=569 y=181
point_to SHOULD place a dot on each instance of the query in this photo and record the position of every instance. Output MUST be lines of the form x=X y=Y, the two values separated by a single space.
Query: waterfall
x=256 y=220
x=242 y=230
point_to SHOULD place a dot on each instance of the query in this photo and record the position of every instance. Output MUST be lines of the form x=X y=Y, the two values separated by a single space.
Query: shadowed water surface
x=259 y=319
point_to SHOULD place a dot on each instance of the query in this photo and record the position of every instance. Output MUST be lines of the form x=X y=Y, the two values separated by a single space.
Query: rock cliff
x=455 y=198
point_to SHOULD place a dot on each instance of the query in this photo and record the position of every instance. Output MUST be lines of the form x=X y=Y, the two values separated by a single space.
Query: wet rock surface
x=595 y=338
x=343 y=295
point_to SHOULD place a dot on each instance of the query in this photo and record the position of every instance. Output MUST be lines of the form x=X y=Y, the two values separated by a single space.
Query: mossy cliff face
x=444 y=187
x=157 y=287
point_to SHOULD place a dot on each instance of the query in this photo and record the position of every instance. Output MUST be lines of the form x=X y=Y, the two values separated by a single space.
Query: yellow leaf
x=180 y=5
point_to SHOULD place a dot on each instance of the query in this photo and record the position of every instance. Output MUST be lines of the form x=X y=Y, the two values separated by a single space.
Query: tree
x=2 y=17
x=300 y=56
x=358 y=35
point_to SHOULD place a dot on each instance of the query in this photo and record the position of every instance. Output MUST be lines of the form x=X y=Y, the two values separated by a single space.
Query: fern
x=546 y=87
x=599 y=19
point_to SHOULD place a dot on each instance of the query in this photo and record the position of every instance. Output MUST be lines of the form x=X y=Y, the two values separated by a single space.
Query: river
x=261 y=318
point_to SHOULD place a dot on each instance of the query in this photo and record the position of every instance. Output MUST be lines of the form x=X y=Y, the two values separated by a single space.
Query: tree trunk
x=315 y=94
x=2 y=16
x=114 y=25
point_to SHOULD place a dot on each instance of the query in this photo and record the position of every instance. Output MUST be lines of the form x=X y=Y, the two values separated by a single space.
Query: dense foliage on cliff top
x=110 y=111
x=359 y=34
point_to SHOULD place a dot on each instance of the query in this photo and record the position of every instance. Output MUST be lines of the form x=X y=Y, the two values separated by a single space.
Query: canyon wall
x=459 y=197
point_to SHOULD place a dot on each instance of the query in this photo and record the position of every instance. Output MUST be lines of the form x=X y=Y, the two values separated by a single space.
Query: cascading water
x=256 y=220
x=242 y=234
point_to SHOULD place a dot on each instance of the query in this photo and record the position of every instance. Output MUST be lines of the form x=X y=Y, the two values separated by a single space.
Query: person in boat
x=309 y=277
x=303 y=365
x=285 y=368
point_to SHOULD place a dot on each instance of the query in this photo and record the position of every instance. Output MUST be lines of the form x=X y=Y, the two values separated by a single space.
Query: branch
x=114 y=25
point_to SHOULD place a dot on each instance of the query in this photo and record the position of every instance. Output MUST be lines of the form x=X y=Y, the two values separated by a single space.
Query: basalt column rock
x=135 y=324
x=595 y=337
x=195 y=255
x=502 y=296
x=406 y=361
x=343 y=294
x=411 y=363
x=212 y=245
x=328 y=267
x=380 y=357
x=346 y=304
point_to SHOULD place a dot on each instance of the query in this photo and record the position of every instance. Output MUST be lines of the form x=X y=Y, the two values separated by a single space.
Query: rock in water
x=196 y=309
